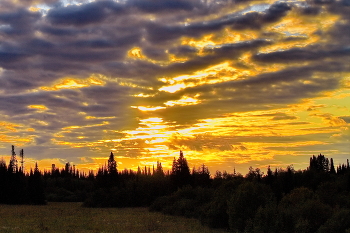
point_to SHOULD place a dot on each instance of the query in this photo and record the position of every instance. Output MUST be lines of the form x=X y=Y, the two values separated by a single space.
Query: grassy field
x=71 y=217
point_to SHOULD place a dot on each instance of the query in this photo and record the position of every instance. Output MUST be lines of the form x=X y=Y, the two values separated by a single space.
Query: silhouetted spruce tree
x=254 y=174
x=319 y=163
x=36 y=187
x=201 y=176
x=107 y=175
x=112 y=169
x=21 y=154
x=269 y=176
x=13 y=161
x=101 y=177
x=16 y=182
x=139 y=172
x=174 y=167
x=91 y=175
x=112 y=164
x=4 y=180
x=67 y=170
x=332 y=170
x=180 y=171
x=159 y=170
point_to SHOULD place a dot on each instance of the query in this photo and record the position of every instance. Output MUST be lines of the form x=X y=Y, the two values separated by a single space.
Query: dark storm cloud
x=183 y=50
x=11 y=57
x=19 y=18
x=39 y=45
x=298 y=55
x=98 y=43
x=167 y=5
x=18 y=23
x=277 y=116
x=276 y=11
x=93 y=48
x=161 y=33
x=96 y=12
x=88 y=13
x=346 y=118
x=215 y=55
x=311 y=10
x=14 y=84
x=56 y=31
x=254 y=20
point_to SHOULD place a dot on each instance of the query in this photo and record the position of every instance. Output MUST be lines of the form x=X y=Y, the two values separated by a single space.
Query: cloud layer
x=230 y=82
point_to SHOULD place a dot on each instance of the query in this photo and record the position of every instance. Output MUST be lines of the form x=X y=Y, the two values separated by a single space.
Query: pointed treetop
x=13 y=150
x=112 y=165
x=111 y=157
x=36 y=169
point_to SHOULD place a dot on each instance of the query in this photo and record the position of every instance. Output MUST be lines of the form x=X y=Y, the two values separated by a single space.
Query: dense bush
x=313 y=200
x=339 y=222
x=297 y=211
x=245 y=202
x=187 y=201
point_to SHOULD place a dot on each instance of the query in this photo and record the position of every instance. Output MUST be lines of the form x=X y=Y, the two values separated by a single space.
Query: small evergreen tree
x=180 y=171
x=112 y=165
x=36 y=187
x=21 y=154
x=3 y=181
x=319 y=163
x=159 y=170
x=13 y=161
x=332 y=170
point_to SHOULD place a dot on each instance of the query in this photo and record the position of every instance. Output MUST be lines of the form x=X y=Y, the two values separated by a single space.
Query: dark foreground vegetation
x=316 y=199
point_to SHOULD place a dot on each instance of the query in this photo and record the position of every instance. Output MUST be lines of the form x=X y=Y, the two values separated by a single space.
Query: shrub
x=338 y=223
x=302 y=211
x=245 y=202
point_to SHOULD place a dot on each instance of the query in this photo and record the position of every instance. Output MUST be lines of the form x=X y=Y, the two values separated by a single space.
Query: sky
x=231 y=83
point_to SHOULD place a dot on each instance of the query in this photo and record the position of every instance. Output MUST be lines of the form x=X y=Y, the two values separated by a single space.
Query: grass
x=72 y=217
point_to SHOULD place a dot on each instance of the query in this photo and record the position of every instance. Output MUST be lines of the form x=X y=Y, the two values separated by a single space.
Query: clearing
x=72 y=217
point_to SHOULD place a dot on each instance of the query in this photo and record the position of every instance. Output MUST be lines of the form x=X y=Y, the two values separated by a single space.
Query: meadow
x=72 y=217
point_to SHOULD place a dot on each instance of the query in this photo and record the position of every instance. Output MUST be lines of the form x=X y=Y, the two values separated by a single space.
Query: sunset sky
x=232 y=83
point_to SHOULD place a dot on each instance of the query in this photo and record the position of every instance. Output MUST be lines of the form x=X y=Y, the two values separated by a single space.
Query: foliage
x=180 y=172
x=18 y=188
x=320 y=163
x=187 y=201
x=245 y=202
x=297 y=211
x=338 y=222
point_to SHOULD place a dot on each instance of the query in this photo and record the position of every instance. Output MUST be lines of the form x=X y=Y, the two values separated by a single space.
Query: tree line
x=16 y=187
x=316 y=199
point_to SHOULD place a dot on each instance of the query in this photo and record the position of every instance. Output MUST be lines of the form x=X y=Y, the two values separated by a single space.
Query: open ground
x=72 y=217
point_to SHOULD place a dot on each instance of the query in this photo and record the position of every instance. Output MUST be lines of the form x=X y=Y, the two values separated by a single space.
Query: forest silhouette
x=316 y=199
